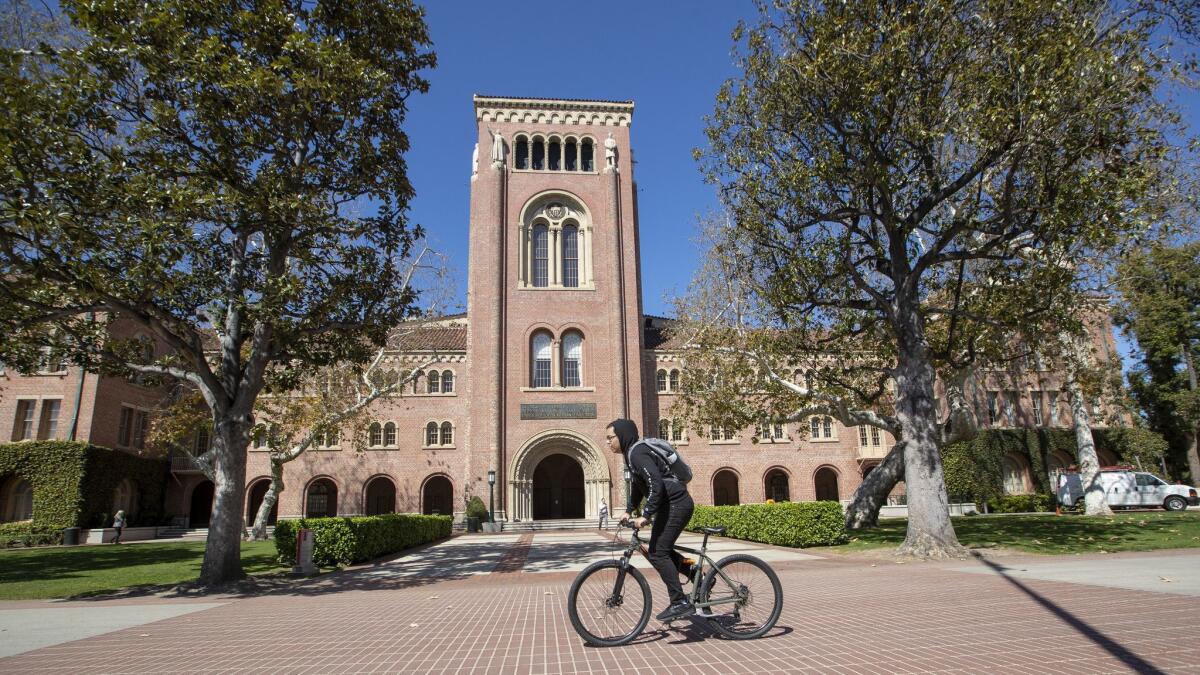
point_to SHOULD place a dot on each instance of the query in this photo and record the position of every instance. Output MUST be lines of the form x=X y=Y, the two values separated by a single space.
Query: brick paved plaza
x=484 y=604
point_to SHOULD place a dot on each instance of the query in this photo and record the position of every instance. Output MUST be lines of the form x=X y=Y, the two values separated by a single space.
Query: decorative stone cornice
x=553 y=111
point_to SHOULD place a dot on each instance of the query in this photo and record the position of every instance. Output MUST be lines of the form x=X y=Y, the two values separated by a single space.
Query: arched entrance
x=826 y=483
x=201 y=506
x=560 y=466
x=725 y=489
x=437 y=497
x=777 y=487
x=258 y=491
x=558 y=489
x=381 y=496
x=321 y=499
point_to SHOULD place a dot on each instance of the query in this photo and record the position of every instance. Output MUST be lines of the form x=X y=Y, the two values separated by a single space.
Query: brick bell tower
x=554 y=304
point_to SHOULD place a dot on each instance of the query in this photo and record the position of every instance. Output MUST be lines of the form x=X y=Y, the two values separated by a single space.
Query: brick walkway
x=442 y=610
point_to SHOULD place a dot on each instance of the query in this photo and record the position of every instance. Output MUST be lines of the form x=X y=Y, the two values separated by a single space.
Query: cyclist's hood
x=626 y=432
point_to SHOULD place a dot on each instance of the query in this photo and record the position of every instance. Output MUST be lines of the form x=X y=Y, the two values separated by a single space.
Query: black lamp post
x=491 y=496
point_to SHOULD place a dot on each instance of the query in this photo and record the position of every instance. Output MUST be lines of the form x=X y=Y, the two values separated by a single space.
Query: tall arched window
x=555 y=158
x=389 y=434
x=447 y=382
x=431 y=434
x=816 y=427
x=376 y=435
x=572 y=372
x=522 y=152
x=673 y=382
x=570 y=256
x=660 y=381
x=664 y=428
x=571 y=159
x=827 y=427
x=585 y=155
x=447 y=434
x=435 y=382
x=541 y=360
x=676 y=431
x=539 y=154
x=541 y=256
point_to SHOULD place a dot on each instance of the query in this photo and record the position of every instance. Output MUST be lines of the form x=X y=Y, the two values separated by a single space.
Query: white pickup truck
x=1127 y=488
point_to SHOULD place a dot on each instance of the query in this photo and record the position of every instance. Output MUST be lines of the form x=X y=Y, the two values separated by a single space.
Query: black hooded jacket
x=647 y=474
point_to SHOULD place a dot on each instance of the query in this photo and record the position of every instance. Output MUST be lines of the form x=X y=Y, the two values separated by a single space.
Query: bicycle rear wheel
x=754 y=593
x=604 y=613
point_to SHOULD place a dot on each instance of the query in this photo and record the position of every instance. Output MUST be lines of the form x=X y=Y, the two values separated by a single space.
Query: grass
x=1051 y=534
x=82 y=571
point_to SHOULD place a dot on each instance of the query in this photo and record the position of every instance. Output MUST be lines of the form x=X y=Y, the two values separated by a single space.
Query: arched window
x=673 y=384
x=572 y=360
x=435 y=382
x=664 y=428
x=376 y=435
x=18 y=499
x=389 y=434
x=827 y=427
x=522 y=152
x=777 y=485
x=570 y=256
x=541 y=256
x=585 y=155
x=660 y=381
x=447 y=434
x=381 y=496
x=447 y=382
x=321 y=501
x=539 y=154
x=826 y=483
x=541 y=360
x=677 y=431
x=1014 y=476
x=571 y=161
x=725 y=489
x=431 y=434
x=816 y=427
x=555 y=158
x=125 y=498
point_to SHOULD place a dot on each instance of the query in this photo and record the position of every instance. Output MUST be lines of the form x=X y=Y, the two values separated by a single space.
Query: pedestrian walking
x=119 y=526
x=603 y=514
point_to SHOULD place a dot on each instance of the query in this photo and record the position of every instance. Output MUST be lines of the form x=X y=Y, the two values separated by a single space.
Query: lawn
x=1051 y=534
x=81 y=571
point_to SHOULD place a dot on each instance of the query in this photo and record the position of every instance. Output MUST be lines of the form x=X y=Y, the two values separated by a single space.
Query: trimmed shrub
x=1034 y=503
x=73 y=482
x=796 y=524
x=476 y=509
x=344 y=541
x=14 y=535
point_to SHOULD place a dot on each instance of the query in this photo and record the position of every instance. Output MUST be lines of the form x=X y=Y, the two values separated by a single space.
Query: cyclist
x=667 y=500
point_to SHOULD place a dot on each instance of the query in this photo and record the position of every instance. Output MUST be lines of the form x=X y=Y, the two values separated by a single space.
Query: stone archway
x=558 y=490
x=575 y=449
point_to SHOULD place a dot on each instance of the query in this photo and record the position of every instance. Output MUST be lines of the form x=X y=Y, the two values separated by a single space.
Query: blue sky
x=668 y=58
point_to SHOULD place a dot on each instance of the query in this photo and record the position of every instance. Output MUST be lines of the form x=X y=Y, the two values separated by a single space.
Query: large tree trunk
x=1193 y=452
x=863 y=509
x=259 y=531
x=930 y=532
x=223 y=551
x=1094 y=499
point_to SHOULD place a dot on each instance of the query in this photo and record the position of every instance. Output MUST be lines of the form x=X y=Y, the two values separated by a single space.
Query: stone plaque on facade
x=558 y=411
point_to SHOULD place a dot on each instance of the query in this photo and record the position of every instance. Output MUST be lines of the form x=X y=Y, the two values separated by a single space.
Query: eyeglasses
x=609 y=438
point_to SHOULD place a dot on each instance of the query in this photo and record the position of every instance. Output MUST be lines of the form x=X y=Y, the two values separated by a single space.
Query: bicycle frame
x=637 y=544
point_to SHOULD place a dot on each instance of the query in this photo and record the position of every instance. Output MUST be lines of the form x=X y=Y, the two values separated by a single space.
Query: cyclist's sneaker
x=676 y=611
x=705 y=611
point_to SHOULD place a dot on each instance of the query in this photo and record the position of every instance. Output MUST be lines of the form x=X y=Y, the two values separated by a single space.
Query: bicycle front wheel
x=748 y=594
x=609 y=604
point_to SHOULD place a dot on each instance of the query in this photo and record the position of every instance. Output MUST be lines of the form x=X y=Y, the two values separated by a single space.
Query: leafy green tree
x=1160 y=308
x=910 y=173
x=228 y=176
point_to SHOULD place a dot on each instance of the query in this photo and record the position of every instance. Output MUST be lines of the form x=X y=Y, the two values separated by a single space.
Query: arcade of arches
x=437 y=496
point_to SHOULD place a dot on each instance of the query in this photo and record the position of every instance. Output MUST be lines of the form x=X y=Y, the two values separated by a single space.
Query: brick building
x=554 y=345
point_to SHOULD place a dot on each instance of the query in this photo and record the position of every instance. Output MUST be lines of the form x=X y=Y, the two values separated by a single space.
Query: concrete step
x=544 y=525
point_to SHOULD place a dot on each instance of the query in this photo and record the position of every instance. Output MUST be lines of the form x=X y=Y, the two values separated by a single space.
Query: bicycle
x=740 y=592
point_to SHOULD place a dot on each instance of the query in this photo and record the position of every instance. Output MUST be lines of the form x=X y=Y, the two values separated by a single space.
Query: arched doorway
x=16 y=499
x=1106 y=458
x=725 y=488
x=1015 y=475
x=777 y=485
x=258 y=491
x=321 y=500
x=381 y=496
x=125 y=498
x=201 y=506
x=826 y=483
x=437 y=497
x=558 y=488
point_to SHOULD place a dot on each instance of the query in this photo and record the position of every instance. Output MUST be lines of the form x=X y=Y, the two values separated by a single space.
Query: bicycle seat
x=720 y=529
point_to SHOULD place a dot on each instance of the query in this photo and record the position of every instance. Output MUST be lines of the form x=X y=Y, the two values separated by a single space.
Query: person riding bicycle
x=667 y=501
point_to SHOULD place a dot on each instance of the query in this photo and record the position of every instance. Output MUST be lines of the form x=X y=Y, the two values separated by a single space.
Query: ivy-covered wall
x=73 y=483
x=974 y=471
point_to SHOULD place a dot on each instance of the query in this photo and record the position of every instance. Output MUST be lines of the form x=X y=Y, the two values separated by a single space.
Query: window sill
x=736 y=441
x=774 y=441
x=439 y=447
x=383 y=447
x=557 y=389
x=581 y=287
x=666 y=393
x=425 y=395
x=824 y=440
x=560 y=172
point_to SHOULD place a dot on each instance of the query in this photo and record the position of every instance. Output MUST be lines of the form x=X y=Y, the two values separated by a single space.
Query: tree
x=231 y=178
x=1160 y=308
x=893 y=165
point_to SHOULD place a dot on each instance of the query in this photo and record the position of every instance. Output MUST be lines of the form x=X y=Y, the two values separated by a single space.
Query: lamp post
x=491 y=496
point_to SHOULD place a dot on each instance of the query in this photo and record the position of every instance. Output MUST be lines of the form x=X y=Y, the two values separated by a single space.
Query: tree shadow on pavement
x=1135 y=662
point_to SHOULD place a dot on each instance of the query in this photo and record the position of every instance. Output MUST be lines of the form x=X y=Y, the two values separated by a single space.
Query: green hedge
x=73 y=482
x=797 y=524
x=343 y=541
x=14 y=535
x=1021 y=503
x=973 y=467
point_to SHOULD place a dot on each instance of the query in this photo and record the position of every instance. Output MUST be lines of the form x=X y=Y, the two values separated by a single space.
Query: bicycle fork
x=617 y=597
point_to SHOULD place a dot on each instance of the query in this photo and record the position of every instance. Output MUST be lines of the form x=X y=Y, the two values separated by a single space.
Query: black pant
x=669 y=522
